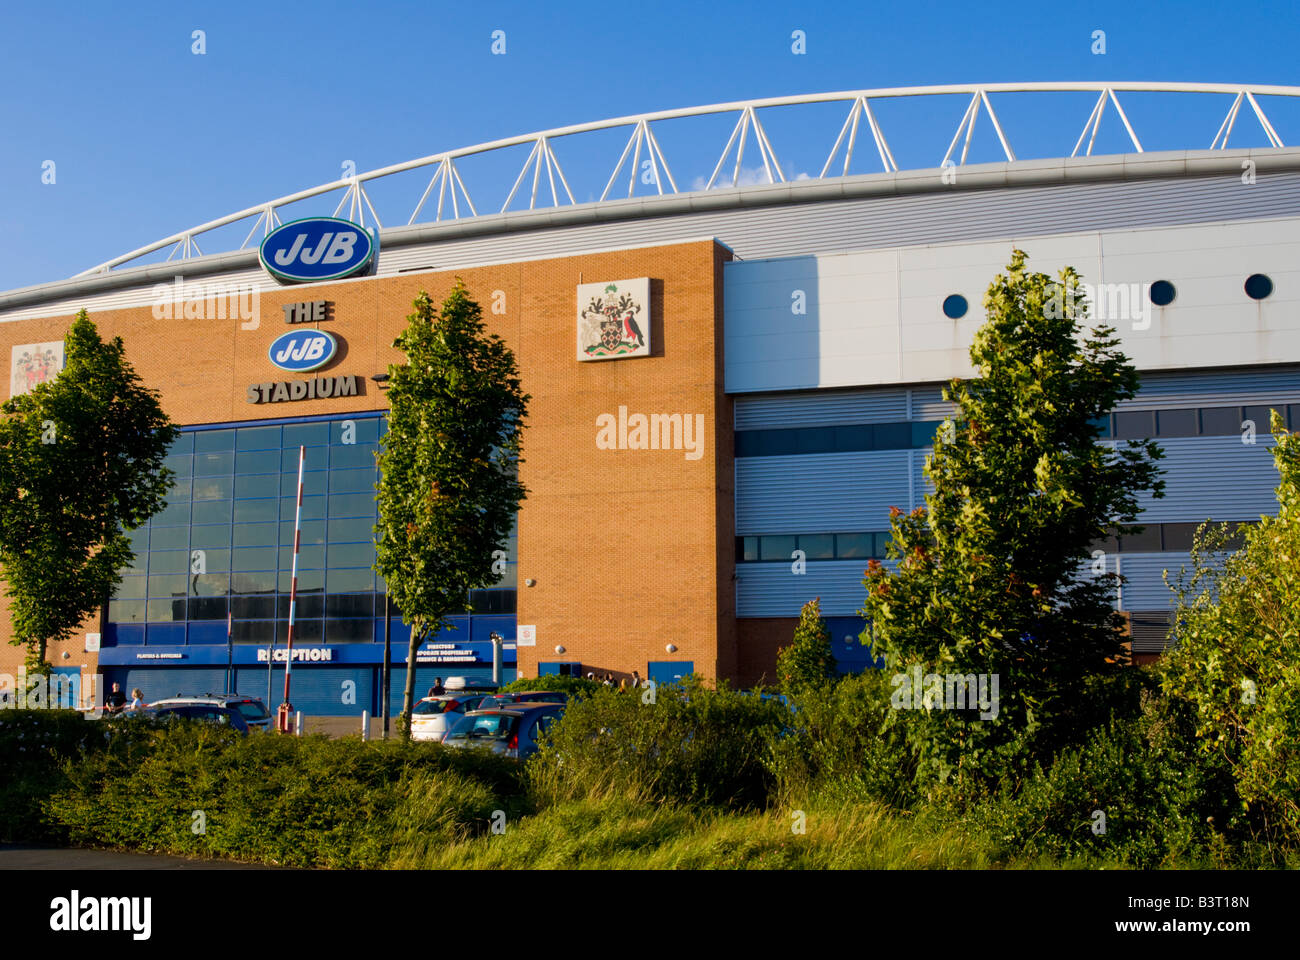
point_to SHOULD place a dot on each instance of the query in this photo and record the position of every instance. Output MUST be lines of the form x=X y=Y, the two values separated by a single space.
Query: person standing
x=137 y=699
x=115 y=700
x=636 y=680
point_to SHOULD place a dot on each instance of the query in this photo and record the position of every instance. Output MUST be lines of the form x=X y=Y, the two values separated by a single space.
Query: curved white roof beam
x=451 y=189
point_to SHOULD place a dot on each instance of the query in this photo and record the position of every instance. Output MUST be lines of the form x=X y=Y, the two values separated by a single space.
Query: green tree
x=808 y=659
x=1237 y=658
x=81 y=463
x=449 y=488
x=993 y=577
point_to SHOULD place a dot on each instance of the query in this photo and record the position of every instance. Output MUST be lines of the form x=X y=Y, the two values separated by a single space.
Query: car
x=253 y=710
x=469 y=685
x=207 y=713
x=512 y=731
x=526 y=696
x=433 y=717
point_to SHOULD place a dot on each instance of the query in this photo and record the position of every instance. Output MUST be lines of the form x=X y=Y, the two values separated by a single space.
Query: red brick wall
x=630 y=549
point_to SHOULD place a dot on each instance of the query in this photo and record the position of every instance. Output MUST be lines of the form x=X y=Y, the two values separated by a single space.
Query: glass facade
x=224 y=542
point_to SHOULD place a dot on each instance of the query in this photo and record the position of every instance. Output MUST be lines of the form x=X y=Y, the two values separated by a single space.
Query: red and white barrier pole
x=285 y=716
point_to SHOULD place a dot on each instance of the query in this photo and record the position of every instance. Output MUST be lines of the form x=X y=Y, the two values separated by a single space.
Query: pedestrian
x=622 y=684
x=636 y=680
x=438 y=688
x=137 y=699
x=115 y=700
x=609 y=680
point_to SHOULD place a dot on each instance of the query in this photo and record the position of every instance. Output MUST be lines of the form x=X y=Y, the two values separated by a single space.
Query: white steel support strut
x=443 y=167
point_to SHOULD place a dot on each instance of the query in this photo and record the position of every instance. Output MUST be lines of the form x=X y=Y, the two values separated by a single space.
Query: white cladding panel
x=876 y=318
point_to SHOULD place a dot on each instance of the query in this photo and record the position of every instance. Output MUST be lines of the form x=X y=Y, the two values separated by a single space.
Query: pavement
x=25 y=857
x=348 y=727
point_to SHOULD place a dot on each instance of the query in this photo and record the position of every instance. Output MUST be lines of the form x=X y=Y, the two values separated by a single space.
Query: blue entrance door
x=670 y=671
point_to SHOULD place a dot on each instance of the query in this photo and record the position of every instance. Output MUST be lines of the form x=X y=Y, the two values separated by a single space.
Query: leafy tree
x=1237 y=659
x=992 y=577
x=449 y=487
x=808 y=659
x=81 y=463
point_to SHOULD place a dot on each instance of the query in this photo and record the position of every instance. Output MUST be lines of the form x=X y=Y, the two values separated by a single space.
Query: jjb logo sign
x=302 y=350
x=319 y=248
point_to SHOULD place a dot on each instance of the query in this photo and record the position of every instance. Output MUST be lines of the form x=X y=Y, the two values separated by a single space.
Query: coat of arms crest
x=34 y=363
x=614 y=320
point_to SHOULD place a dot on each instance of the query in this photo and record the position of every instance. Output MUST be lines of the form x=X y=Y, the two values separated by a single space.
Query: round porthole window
x=954 y=306
x=1162 y=293
x=1258 y=286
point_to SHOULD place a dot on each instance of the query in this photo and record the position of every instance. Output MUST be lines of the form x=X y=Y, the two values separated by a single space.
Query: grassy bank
x=716 y=779
x=622 y=835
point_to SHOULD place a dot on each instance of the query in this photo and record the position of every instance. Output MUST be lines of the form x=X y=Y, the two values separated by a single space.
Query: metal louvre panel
x=820 y=409
x=1214 y=477
x=928 y=404
x=319 y=691
x=1216 y=388
x=250 y=680
x=158 y=683
x=1149 y=631
x=1144 y=585
x=820 y=493
x=772 y=590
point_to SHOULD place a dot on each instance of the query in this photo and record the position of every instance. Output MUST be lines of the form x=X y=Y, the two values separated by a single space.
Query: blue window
x=1162 y=293
x=223 y=544
x=1258 y=286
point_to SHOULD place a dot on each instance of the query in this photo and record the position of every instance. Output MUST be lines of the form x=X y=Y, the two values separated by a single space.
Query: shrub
x=684 y=744
x=1237 y=660
x=33 y=745
x=302 y=802
x=1161 y=801
x=808 y=660
x=573 y=686
x=843 y=745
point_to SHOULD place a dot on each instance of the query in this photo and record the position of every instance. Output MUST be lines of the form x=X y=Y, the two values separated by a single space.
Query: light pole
x=497 y=643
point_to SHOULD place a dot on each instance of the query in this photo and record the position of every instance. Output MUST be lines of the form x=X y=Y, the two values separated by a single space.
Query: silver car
x=433 y=717
x=512 y=731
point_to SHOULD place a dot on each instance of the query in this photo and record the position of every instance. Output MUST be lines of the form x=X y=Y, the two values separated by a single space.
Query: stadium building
x=731 y=385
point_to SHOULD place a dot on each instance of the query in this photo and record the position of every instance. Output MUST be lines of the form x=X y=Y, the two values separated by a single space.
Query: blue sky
x=148 y=138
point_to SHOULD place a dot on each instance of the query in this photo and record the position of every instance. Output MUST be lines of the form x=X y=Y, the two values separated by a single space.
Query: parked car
x=222 y=716
x=526 y=696
x=252 y=710
x=433 y=717
x=511 y=731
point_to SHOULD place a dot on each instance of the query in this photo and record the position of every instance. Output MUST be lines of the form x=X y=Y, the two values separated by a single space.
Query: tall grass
x=614 y=834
